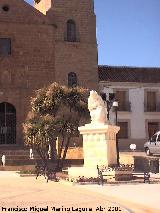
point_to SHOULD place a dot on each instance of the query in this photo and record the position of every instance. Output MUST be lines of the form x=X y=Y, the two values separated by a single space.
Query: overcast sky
x=128 y=32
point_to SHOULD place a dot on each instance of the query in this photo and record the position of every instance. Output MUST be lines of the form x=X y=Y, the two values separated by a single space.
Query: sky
x=128 y=32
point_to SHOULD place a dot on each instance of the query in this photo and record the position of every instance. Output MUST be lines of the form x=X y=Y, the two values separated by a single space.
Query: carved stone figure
x=97 y=108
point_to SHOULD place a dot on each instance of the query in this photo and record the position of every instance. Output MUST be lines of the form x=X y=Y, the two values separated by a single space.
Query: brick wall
x=31 y=63
x=39 y=54
x=81 y=56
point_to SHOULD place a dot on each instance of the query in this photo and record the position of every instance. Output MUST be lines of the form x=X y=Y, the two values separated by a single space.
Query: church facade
x=53 y=41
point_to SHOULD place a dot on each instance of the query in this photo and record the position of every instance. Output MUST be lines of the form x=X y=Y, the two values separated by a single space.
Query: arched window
x=72 y=79
x=71 y=31
x=7 y=123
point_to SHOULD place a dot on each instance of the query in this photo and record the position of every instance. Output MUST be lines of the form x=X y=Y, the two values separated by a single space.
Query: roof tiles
x=129 y=74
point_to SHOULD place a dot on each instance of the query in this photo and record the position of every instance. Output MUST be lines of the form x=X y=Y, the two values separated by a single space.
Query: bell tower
x=75 y=41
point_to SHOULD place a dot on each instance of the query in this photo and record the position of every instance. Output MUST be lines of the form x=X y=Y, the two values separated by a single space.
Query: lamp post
x=112 y=102
x=115 y=105
x=109 y=103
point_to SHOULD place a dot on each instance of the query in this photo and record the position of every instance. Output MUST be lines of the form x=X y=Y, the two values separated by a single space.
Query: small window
x=71 y=31
x=72 y=79
x=5 y=8
x=121 y=96
x=123 y=132
x=5 y=46
x=151 y=101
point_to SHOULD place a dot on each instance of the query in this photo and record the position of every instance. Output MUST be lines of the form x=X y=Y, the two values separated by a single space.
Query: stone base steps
x=16 y=152
x=17 y=168
x=15 y=157
x=19 y=157
x=13 y=162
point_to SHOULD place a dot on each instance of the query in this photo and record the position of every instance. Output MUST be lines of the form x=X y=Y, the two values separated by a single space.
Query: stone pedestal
x=99 y=146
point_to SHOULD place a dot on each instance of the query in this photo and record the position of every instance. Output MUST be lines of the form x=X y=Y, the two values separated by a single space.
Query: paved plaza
x=137 y=197
x=37 y=196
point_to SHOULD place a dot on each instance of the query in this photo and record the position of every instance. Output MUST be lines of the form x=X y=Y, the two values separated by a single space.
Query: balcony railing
x=152 y=108
x=126 y=107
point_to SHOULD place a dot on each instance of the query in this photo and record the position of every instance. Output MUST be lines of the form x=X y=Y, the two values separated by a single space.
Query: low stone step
x=17 y=168
x=16 y=152
x=19 y=156
x=13 y=150
x=13 y=154
x=20 y=162
x=9 y=158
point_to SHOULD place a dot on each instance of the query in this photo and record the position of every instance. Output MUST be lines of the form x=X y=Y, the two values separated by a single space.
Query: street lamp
x=115 y=106
x=112 y=102
x=109 y=103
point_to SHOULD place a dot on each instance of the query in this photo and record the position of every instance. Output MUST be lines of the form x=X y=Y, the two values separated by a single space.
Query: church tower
x=75 y=41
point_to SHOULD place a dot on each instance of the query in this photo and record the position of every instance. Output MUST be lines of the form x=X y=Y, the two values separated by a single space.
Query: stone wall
x=80 y=56
x=75 y=153
x=31 y=63
x=39 y=53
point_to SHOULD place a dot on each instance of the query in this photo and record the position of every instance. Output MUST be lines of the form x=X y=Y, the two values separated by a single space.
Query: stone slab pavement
x=27 y=192
x=142 y=195
x=31 y=194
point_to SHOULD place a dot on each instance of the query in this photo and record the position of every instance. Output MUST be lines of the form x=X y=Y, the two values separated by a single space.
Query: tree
x=39 y=131
x=56 y=112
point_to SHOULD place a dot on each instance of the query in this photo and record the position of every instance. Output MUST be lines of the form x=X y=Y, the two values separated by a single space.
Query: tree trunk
x=65 y=151
x=53 y=149
x=59 y=166
x=42 y=156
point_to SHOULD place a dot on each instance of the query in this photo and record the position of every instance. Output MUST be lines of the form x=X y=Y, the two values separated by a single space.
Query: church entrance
x=7 y=123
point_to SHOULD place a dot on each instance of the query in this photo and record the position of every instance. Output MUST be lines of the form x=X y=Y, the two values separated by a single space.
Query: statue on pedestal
x=97 y=108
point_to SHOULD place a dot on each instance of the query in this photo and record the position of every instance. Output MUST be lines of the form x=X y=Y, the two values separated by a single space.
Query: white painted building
x=138 y=93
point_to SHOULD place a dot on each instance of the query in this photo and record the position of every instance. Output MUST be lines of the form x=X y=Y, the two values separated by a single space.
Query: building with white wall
x=138 y=93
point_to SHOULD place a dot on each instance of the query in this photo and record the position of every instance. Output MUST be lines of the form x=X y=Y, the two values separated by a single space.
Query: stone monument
x=99 y=140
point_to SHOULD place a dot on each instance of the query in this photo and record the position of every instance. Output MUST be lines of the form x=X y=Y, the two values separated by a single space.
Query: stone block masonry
x=40 y=54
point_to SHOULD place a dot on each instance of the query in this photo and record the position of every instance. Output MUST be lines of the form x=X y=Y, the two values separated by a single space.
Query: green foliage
x=56 y=112
x=37 y=129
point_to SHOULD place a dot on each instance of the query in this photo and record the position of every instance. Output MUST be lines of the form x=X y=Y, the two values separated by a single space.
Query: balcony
x=152 y=107
x=125 y=107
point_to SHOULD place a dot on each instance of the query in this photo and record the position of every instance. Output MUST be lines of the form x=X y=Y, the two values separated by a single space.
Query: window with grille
x=123 y=132
x=151 y=101
x=72 y=79
x=71 y=31
x=7 y=123
x=5 y=46
x=123 y=104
